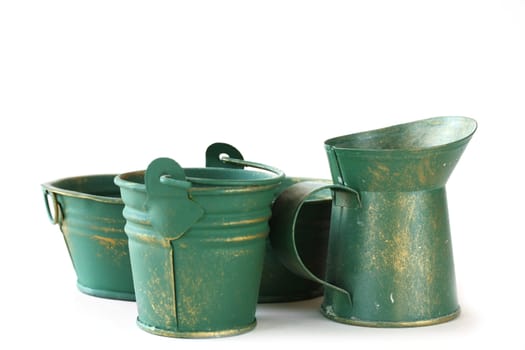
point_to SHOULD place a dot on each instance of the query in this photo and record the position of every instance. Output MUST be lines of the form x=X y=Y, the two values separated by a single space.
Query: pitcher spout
x=413 y=156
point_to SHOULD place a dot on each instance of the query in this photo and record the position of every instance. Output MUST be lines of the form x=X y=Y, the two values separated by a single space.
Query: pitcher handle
x=285 y=212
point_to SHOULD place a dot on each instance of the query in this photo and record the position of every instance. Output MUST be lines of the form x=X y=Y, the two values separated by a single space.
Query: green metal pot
x=88 y=210
x=197 y=241
x=278 y=284
x=390 y=261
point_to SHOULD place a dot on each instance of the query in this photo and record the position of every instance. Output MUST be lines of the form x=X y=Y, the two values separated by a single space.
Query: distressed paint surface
x=198 y=278
x=390 y=260
x=393 y=253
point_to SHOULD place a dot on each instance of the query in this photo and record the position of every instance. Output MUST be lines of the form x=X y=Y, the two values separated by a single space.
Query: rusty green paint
x=197 y=241
x=88 y=210
x=390 y=260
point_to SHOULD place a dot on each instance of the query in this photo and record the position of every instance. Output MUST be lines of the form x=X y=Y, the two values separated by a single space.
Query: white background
x=106 y=86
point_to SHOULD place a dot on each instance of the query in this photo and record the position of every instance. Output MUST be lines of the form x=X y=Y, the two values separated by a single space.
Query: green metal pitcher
x=390 y=261
x=197 y=241
x=278 y=284
x=88 y=210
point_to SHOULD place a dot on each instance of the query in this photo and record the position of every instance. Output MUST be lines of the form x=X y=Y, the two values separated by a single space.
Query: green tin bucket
x=197 y=241
x=278 y=283
x=88 y=210
x=390 y=261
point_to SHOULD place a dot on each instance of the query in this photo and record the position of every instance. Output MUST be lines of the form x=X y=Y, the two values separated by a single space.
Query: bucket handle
x=285 y=212
x=167 y=194
x=217 y=152
x=56 y=216
x=224 y=155
x=245 y=163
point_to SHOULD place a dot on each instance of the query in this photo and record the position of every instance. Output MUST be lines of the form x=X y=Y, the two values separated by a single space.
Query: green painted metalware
x=88 y=210
x=390 y=260
x=278 y=284
x=197 y=241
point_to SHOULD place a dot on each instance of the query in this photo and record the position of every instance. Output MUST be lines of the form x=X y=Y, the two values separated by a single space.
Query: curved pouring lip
x=422 y=135
x=406 y=157
x=99 y=187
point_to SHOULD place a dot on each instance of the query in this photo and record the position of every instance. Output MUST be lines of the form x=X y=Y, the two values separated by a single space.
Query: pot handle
x=285 y=211
x=56 y=216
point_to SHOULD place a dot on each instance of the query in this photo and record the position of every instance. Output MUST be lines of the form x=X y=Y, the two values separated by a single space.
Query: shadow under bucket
x=88 y=210
x=197 y=241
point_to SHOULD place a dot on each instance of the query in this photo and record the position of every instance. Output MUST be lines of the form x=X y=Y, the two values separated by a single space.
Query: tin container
x=88 y=210
x=390 y=260
x=197 y=239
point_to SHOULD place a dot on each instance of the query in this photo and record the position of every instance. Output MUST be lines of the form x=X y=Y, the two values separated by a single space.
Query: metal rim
x=332 y=143
x=195 y=334
x=52 y=187
x=106 y=294
x=209 y=185
x=392 y=324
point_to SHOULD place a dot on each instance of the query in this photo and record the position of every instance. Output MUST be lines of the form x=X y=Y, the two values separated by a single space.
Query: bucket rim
x=334 y=143
x=208 y=183
x=52 y=187
x=274 y=177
